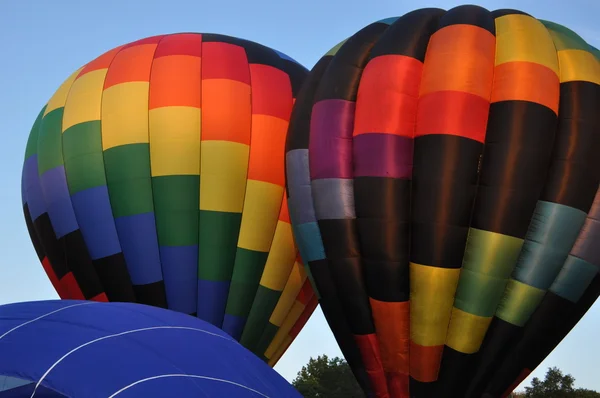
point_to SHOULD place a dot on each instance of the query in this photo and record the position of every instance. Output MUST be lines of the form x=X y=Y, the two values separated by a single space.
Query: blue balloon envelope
x=74 y=348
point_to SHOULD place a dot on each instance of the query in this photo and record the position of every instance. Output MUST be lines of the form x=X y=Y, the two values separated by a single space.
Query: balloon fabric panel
x=154 y=174
x=465 y=174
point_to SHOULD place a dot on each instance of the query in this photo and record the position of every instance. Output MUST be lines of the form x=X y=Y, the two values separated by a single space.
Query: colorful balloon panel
x=440 y=169
x=155 y=174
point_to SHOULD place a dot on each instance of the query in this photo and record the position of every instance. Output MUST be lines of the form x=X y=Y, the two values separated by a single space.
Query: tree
x=557 y=385
x=327 y=378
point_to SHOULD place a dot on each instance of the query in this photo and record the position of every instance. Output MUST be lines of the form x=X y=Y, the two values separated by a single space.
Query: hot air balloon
x=77 y=348
x=440 y=169
x=155 y=174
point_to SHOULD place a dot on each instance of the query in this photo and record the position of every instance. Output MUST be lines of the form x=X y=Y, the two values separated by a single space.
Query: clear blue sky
x=43 y=42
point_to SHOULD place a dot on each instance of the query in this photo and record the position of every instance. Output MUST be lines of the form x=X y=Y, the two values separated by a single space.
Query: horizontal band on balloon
x=226 y=110
x=33 y=189
x=299 y=187
x=267 y=149
x=392 y=326
x=128 y=178
x=453 y=113
x=212 y=298
x=83 y=157
x=49 y=140
x=131 y=64
x=175 y=80
x=578 y=65
x=176 y=209
x=382 y=155
x=309 y=241
x=180 y=273
x=175 y=140
x=280 y=351
x=224 y=61
x=32 y=145
x=333 y=198
x=271 y=92
x=526 y=81
x=574 y=278
x=296 y=281
x=460 y=58
x=187 y=44
x=431 y=296
x=72 y=289
x=281 y=258
x=519 y=302
x=371 y=358
x=425 y=362
x=137 y=237
x=388 y=95
x=95 y=218
x=101 y=62
x=217 y=244
x=330 y=144
x=233 y=325
x=59 y=98
x=283 y=331
x=223 y=168
x=552 y=232
x=263 y=305
x=535 y=43
x=56 y=194
x=262 y=203
x=84 y=102
x=488 y=262
x=125 y=114
x=466 y=331
x=247 y=270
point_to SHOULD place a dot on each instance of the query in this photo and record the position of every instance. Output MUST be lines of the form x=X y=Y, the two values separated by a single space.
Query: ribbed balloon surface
x=440 y=170
x=155 y=174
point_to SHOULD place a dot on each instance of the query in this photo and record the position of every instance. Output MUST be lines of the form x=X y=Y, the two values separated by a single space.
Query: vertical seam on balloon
x=63 y=248
x=104 y=167
x=199 y=173
x=150 y=169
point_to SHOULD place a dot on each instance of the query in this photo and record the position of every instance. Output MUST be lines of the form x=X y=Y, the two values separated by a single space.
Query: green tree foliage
x=327 y=378
x=556 y=385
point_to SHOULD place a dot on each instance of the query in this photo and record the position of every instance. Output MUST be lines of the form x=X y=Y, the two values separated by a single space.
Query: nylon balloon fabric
x=155 y=174
x=91 y=349
x=440 y=168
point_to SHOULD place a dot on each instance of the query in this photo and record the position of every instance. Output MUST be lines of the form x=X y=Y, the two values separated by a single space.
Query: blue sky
x=43 y=42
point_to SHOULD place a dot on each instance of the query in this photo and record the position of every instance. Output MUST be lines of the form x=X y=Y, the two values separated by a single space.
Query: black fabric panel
x=256 y=53
x=151 y=294
x=339 y=238
x=35 y=240
x=297 y=74
x=500 y=336
x=518 y=146
x=332 y=309
x=455 y=372
x=345 y=70
x=113 y=274
x=52 y=247
x=419 y=389
x=575 y=170
x=80 y=263
x=298 y=133
x=507 y=11
x=444 y=186
x=409 y=35
x=549 y=325
x=383 y=222
x=469 y=15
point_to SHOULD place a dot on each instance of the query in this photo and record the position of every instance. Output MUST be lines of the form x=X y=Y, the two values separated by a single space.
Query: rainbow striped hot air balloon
x=440 y=169
x=155 y=174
